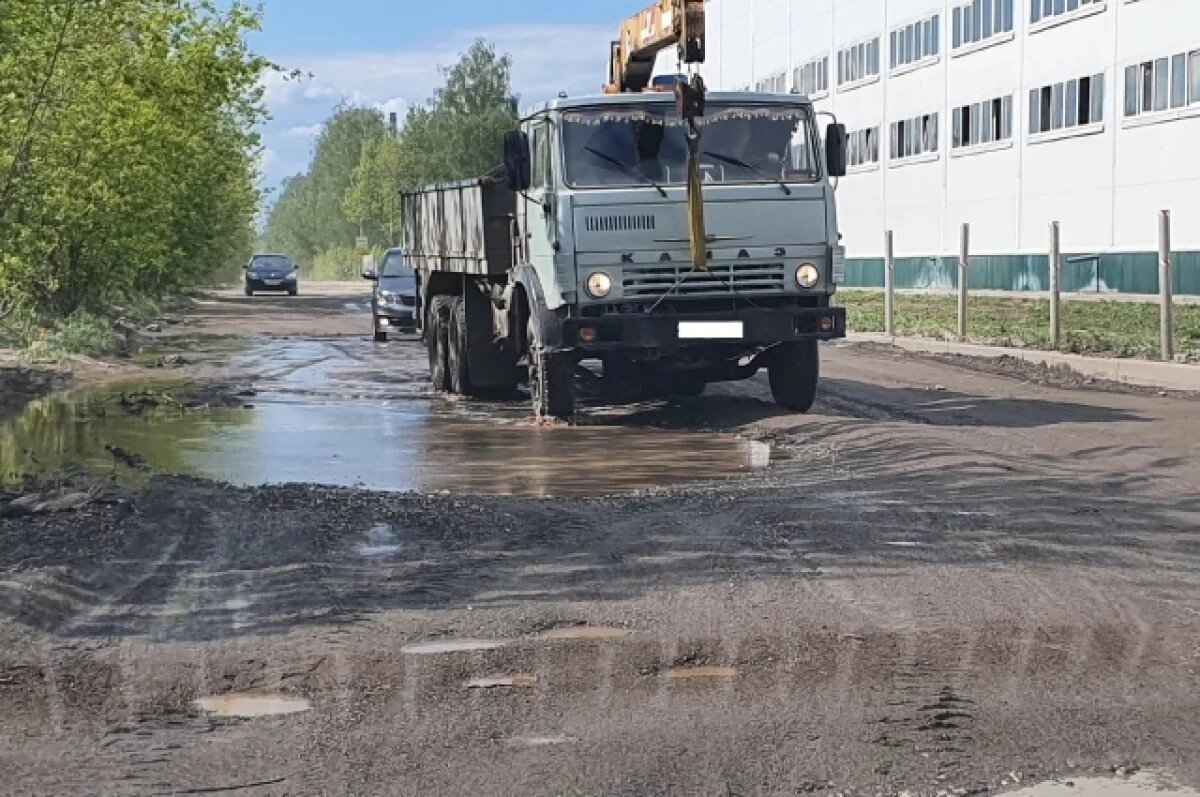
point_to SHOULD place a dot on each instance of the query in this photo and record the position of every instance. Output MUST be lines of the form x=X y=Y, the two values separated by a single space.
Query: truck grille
x=620 y=223
x=721 y=279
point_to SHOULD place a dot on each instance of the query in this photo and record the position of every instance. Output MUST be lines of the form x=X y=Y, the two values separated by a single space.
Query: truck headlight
x=808 y=275
x=599 y=285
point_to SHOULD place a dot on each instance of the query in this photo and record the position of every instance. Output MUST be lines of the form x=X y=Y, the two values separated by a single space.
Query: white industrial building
x=1007 y=114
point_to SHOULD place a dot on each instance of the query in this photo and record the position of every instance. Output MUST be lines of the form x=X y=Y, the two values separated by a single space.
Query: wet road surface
x=948 y=581
x=352 y=413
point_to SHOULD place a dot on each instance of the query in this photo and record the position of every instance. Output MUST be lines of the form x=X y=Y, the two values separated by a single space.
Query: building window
x=858 y=62
x=1048 y=9
x=982 y=122
x=910 y=44
x=1072 y=103
x=773 y=84
x=812 y=78
x=863 y=147
x=979 y=20
x=911 y=138
x=1162 y=84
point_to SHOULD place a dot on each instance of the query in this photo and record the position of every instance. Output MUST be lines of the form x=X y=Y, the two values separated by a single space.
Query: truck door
x=540 y=220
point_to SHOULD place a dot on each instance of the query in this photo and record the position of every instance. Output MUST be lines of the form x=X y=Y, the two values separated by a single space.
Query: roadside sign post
x=362 y=246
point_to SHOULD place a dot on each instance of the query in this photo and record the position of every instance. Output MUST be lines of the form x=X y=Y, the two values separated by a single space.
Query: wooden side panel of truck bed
x=462 y=228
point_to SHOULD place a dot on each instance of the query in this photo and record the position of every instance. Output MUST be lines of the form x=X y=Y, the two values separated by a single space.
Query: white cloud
x=304 y=131
x=396 y=105
x=547 y=59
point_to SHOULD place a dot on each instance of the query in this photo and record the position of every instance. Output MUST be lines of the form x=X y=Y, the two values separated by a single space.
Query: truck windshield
x=636 y=144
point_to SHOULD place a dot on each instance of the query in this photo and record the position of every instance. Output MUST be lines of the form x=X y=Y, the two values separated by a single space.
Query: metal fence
x=1043 y=273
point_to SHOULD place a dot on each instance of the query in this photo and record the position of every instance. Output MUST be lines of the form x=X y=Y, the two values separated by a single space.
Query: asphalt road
x=955 y=578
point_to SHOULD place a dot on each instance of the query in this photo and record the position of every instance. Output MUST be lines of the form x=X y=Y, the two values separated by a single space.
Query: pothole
x=503 y=682
x=584 y=632
x=700 y=673
x=540 y=741
x=452 y=646
x=249 y=706
x=1141 y=784
x=381 y=541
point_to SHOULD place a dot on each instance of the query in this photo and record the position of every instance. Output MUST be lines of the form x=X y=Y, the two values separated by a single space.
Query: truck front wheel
x=794 y=370
x=437 y=341
x=552 y=385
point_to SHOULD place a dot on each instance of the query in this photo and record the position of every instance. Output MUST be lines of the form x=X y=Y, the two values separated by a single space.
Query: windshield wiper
x=632 y=172
x=732 y=161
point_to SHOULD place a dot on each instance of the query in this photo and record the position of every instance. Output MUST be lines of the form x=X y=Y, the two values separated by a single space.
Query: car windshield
x=633 y=145
x=271 y=263
x=394 y=265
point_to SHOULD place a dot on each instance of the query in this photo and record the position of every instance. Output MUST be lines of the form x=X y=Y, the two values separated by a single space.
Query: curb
x=1146 y=373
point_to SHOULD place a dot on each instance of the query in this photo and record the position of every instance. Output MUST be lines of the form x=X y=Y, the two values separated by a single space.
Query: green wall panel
x=1124 y=272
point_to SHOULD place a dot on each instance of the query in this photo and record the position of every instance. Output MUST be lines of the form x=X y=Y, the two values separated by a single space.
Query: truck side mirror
x=518 y=164
x=835 y=150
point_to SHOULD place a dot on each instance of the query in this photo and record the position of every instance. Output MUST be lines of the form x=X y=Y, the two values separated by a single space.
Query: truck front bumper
x=669 y=333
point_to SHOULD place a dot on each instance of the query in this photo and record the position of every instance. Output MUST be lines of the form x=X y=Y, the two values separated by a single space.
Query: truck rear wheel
x=552 y=385
x=457 y=354
x=437 y=341
x=794 y=370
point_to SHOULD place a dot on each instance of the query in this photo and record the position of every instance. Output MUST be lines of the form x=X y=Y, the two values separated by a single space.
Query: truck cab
x=604 y=252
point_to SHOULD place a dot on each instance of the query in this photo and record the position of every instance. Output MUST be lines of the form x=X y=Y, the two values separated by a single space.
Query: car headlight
x=599 y=285
x=384 y=298
x=808 y=275
x=290 y=277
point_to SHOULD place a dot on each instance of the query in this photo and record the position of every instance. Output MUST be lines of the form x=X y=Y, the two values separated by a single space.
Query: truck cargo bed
x=463 y=228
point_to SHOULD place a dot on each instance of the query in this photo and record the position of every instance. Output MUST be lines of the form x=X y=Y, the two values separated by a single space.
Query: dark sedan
x=274 y=273
x=394 y=298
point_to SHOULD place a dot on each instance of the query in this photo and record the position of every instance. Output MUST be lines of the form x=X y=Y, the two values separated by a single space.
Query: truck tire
x=437 y=337
x=794 y=370
x=457 y=350
x=552 y=385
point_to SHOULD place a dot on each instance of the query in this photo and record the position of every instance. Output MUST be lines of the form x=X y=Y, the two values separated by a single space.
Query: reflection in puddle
x=381 y=541
x=700 y=673
x=584 y=632
x=1143 y=784
x=242 y=705
x=452 y=646
x=502 y=682
x=540 y=741
x=327 y=414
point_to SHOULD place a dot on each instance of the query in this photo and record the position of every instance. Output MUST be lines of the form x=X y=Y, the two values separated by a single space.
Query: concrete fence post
x=1055 y=285
x=889 y=284
x=1166 y=313
x=964 y=264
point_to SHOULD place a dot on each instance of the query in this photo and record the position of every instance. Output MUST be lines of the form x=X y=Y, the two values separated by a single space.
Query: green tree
x=458 y=135
x=309 y=216
x=128 y=157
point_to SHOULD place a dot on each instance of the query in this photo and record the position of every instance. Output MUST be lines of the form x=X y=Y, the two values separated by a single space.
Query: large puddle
x=350 y=414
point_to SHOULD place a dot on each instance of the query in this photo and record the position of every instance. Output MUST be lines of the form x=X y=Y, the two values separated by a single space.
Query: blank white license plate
x=711 y=330
x=272 y=282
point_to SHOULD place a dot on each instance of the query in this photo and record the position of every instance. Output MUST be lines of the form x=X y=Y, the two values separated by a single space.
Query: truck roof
x=663 y=98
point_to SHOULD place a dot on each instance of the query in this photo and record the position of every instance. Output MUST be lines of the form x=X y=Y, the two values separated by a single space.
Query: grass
x=1115 y=329
x=42 y=340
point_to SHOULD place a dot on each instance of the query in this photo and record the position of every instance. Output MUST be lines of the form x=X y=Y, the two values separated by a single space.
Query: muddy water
x=347 y=413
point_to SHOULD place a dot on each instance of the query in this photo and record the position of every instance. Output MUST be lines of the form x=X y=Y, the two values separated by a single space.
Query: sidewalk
x=1166 y=376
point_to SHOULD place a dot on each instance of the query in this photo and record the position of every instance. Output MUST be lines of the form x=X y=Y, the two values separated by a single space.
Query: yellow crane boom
x=663 y=24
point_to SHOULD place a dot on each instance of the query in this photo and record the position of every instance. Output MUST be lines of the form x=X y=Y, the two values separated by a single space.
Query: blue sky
x=385 y=53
